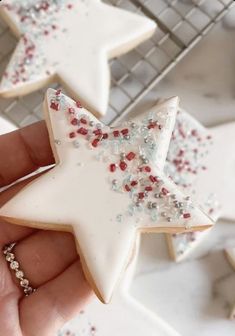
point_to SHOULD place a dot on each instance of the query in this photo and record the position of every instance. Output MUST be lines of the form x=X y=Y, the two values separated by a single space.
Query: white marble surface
x=6 y=126
x=195 y=297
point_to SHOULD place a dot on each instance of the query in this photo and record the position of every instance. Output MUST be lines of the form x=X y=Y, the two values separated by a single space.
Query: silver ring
x=15 y=266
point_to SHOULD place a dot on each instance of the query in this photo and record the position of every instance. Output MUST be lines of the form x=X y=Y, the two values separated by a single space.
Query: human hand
x=48 y=259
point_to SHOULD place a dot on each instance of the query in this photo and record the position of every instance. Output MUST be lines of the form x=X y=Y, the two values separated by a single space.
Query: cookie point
x=174 y=101
x=50 y=92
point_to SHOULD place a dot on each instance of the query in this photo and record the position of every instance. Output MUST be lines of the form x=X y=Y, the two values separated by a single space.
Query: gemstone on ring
x=19 y=274
x=14 y=265
x=24 y=282
x=10 y=256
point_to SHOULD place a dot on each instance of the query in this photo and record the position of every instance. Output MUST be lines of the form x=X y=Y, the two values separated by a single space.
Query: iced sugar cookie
x=124 y=316
x=106 y=187
x=201 y=161
x=69 y=41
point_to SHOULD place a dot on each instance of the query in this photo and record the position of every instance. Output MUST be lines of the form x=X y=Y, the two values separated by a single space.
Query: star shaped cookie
x=106 y=187
x=138 y=320
x=69 y=41
x=201 y=162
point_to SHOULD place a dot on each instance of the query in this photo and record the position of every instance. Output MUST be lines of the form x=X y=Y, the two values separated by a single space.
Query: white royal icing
x=124 y=316
x=201 y=161
x=107 y=186
x=72 y=42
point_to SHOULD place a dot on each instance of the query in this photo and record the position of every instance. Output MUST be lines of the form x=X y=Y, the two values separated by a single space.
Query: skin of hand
x=49 y=259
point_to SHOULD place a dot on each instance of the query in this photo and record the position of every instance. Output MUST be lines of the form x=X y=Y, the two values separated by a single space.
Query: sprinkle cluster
x=28 y=64
x=182 y=242
x=36 y=20
x=38 y=17
x=86 y=328
x=129 y=153
x=189 y=147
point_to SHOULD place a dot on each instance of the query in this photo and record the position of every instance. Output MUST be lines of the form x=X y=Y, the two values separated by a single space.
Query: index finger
x=23 y=152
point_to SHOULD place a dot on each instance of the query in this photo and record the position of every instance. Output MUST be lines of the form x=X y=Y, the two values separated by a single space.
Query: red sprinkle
x=54 y=106
x=152 y=125
x=72 y=135
x=127 y=187
x=148 y=188
x=105 y=136
x=82 y=131
x=147 y=169
x=165 y=191
x=153 y=179
x=74 y=122
x=125 y=131
x=130 y=156
x=97 y=132
x=83 y=121
x=187 y=215
x=134 y=183
x=123 y=165
x=116 y=134
x=71 y=110
x=141 y=195
x=95 y=142
x=112 y=167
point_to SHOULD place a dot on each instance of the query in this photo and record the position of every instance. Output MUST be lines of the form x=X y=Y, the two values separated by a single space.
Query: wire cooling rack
x=181 y=25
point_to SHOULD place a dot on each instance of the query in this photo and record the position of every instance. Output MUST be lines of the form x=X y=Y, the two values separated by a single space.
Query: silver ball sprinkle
x=91 y=123
x=122 y=155
x=150 y=205
x=133 y=125
x=76 y=144
x=169 y=219
x=57 y=142
x=114 y=182
x=163 y=214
